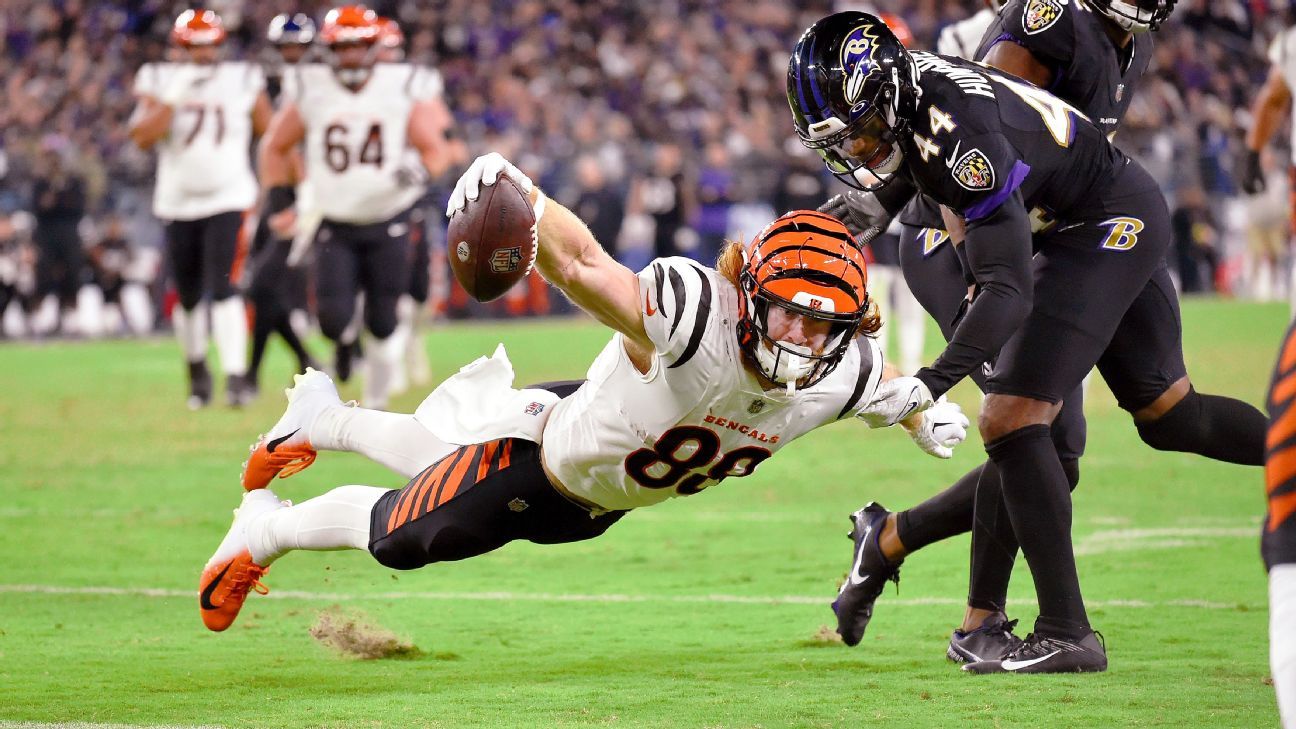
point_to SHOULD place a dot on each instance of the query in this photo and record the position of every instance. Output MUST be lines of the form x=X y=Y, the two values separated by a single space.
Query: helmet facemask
x=803 y=280
x=853 y=89
x=1136 y=16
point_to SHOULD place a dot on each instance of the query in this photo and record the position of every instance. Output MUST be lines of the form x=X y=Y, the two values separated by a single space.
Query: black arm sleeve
x=999 y=251
x=895 y=196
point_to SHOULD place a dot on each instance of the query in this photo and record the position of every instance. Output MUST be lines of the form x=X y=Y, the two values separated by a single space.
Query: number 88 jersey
x=356 y=140
x=698 y=416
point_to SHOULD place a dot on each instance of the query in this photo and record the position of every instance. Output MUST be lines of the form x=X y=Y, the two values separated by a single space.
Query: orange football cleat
x=286 y=449
x=230 y=573
x=224 y=587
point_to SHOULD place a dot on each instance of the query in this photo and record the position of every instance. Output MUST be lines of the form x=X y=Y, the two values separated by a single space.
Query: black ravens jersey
x=1031 y=174
x=1089 y=71
x=980 y=136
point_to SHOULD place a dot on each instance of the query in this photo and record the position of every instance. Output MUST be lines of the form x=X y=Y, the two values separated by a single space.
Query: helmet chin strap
x=774 y=364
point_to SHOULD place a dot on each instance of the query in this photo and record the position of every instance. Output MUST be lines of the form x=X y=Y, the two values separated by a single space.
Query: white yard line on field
x=84 y=725
x=573 y=597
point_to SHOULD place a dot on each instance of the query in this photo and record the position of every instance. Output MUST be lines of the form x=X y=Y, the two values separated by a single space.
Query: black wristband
x=280 y=198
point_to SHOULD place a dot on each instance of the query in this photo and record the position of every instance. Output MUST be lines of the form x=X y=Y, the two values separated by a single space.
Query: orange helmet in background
x=901 y=29
x=198 y=28
x=391 y=40
x=350 y=24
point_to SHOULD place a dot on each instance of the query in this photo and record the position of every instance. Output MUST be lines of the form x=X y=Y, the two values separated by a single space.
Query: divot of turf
x=352 y=633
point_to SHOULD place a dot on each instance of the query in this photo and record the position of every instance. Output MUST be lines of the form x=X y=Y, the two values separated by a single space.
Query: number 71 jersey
x=626 y=439
x=356 y=141
x=204 y=162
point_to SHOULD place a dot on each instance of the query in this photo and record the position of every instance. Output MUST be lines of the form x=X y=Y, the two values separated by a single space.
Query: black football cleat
x=993 y=641
x=239 y=390
x=200 y=386
x=346 y=358
x=868 y=574
x=1043 y=654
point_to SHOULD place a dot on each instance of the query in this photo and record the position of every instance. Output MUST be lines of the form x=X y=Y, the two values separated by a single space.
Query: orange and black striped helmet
x=350 y=24
x=806 y=263
x=198 y=28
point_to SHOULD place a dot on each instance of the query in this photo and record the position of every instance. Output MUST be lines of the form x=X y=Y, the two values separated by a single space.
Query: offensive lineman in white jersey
x=1267 y=112
x=202 y=113
x=709 y=373
x=356 y=118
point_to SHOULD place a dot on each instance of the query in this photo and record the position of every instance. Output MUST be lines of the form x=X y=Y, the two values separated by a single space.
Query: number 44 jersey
x=356 y=140
x=626 y=439
x=204 y=163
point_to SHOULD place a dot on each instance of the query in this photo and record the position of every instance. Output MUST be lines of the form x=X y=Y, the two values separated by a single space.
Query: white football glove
x=895 y=400
x=486 y=171
x=942 y=426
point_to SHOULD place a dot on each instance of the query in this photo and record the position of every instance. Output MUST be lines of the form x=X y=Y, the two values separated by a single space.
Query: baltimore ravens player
x=202 y=113
x=1092 y=56
x=277 y=292
x=709 y=373
x=356 y=118
x=1093 y=290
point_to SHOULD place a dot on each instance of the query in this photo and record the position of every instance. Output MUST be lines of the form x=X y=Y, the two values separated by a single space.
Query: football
x=491 y=243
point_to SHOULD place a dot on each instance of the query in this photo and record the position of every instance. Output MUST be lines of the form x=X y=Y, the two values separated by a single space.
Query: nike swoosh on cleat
x=854 y=577
x=1011 y=665
x=205 y=599
x=272 y=445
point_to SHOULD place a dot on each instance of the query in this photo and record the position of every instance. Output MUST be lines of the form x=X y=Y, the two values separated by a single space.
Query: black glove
x=1253 y=182
x=863 y=215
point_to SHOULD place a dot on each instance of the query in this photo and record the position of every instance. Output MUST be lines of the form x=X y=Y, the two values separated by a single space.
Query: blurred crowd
x=663 y=124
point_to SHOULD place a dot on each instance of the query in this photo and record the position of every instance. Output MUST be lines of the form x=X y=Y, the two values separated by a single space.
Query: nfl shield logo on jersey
x=1039 y=15
x=974 y=172
x=506 y=260
x=535 y=408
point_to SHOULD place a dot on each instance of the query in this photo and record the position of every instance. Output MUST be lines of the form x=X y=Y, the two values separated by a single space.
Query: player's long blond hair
x=730 y=264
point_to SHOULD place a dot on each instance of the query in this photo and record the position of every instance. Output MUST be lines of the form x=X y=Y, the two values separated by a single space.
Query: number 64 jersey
x=356 y=140
x=204 y=163
x=626 y=439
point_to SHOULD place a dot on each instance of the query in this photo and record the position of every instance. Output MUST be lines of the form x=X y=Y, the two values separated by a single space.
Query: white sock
x=90 y=311
x=400 y=339
x=911 y=323
x=191 y=331
x=879 y=286
x=384 y=367
x=1282 y=639
x=395 y=440
x=136 y=308
x=230 y=330
x=336 y=520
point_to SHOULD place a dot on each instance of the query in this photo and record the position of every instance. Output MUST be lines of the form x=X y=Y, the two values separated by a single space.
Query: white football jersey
x=1282 y=54
x=962 y=38
x=356 y=141
x=204 y=163
x=626 y=439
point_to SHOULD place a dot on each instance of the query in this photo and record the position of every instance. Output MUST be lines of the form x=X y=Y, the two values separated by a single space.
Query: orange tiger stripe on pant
x=1280 y=441
x=447 y=478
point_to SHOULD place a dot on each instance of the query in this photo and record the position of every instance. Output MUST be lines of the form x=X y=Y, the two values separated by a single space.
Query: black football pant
x=275 y=291
x=206 y=256
x=932 y=272
x=375 y=259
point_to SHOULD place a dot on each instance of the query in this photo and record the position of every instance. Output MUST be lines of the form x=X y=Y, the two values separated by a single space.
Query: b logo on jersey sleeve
x=973 y=171
x=1040 y=15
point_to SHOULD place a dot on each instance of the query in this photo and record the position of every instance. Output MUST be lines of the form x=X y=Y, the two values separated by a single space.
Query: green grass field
x=705 y=611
